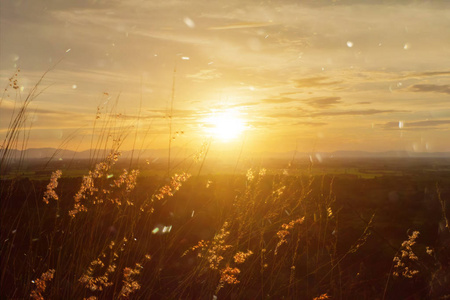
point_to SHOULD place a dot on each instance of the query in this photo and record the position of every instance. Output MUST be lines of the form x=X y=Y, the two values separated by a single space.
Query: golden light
x=224 y=125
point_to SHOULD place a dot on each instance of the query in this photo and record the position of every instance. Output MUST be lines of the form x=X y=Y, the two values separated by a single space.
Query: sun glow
x=225 y=125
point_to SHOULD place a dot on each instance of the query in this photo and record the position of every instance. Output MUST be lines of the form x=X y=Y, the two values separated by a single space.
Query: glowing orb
x=225 y=125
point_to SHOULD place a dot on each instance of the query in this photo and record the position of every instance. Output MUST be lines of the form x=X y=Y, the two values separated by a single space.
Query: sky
x=311 y=75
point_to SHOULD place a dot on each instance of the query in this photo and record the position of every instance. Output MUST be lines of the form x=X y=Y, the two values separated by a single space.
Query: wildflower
x=130 y=285
x=202 y=245
x=98 y=283
x=363 y=238
x=13 y=81
x=175 y=184
x=240 y=257
x=50 y=192
x=250 y=175
x=218 y=247
x=329 y=212
x=202 y=152
x=322 y=297
x=285 y=232
x=212 y=250
x=41 y=284
x=87 y=187
x=127 y=179
x=208 y=184
x=278 y=192
x=406 y=256
x=227 y=275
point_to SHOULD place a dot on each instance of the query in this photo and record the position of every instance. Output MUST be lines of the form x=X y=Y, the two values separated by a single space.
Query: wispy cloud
x=312 y=124
x=241 y=25
x=280 y=115
x=427 y=74
x=324 y=102
x=356 y=112
x=205 y=74
x=312 y=82
x=165 y=113
x=430 y=124
x=279 y=100
x=244 y=104
x=431 y=88
x=9 y=108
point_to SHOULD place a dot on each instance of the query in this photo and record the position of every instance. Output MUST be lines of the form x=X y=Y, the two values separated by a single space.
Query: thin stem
x=171 y=119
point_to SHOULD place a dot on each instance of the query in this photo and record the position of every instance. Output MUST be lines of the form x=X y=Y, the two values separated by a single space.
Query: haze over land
x=180 y=153
x=313 y=75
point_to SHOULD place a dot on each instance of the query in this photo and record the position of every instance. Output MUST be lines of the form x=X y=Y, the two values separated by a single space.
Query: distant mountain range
x=55 y=154
x=47 y=153
x=386 y=154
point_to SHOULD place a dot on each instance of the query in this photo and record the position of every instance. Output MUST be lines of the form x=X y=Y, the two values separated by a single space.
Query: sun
x=225 y=125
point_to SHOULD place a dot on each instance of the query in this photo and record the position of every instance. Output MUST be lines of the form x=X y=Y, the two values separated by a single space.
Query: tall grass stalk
x=172 y=98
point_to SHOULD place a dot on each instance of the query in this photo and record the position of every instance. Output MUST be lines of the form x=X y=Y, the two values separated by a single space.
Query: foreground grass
x=113 y=234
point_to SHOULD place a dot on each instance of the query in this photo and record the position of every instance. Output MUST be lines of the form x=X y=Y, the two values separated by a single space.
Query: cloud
x=428 y=124
x=245 y=104
x=311 y=82
x=173 y=36
x=9 y=108
x=279 y=100
x=258 y=124
x=44 y=119
x=242 y=25
x=164 y=113
x=445 y=88
x=364 y=102
x=324 y=102
x=428 y=74
x=313 y=124
x=317 y=102
x=356 y=112
x=205 y=74
x=278 y=115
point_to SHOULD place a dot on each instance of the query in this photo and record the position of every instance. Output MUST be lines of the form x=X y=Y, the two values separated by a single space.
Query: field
x=344 y=229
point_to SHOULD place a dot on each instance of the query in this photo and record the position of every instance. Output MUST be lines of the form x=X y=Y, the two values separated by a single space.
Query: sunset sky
x=317 y=75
